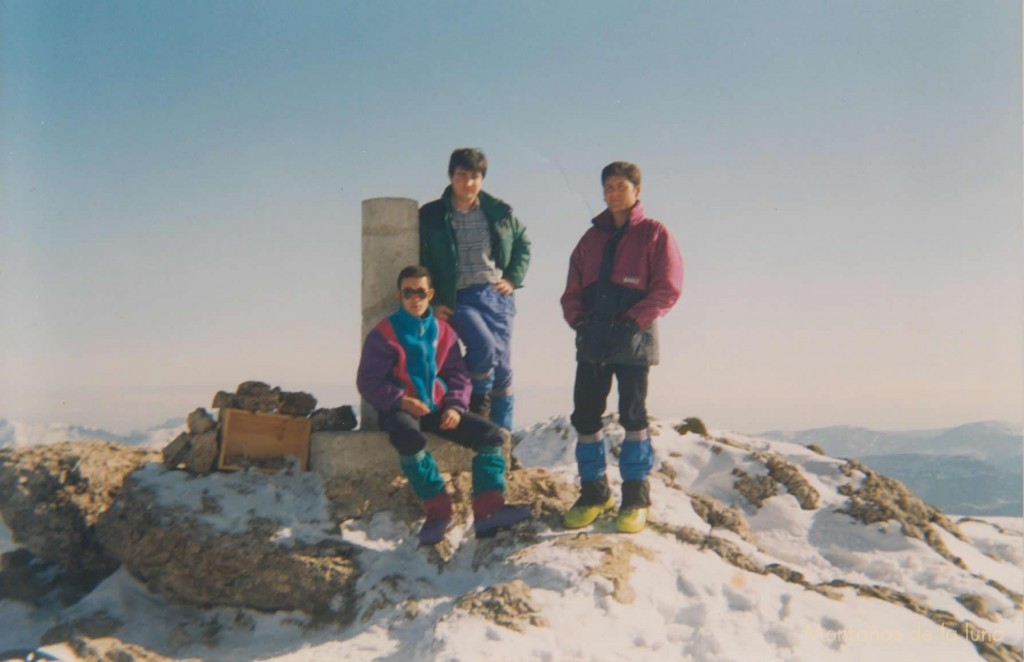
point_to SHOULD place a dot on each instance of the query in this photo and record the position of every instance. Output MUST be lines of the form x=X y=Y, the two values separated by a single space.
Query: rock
x=174 y=453
x=202 y=456
x=296 y=404
x=52 y=496
x=180 y=555
x=757 y=489
x=94 y=626
x=29 y=579
x=107 y=649
x=978 y=606
x=339 y=419
x=252 y=388
x=257 y=397
x=199 y=421
x=692 y=425
x=794 y=480
x=507 y=604
x=879 y=498
x=717 y=514
x=224 y=400
x=16 y=558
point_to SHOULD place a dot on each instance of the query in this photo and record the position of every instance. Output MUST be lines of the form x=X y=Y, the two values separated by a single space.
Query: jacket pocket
x=591 y=342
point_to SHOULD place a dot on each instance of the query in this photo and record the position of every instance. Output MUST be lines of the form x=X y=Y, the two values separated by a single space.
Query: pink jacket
x=646 y=259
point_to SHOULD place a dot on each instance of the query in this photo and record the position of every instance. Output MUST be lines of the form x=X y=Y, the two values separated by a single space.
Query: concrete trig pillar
x=391 y=241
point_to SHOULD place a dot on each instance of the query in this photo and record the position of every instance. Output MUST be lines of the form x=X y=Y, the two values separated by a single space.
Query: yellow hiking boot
x=582 y=514
x=631 y=520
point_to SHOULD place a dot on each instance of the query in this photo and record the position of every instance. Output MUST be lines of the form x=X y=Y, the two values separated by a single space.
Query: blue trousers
x=483 y=319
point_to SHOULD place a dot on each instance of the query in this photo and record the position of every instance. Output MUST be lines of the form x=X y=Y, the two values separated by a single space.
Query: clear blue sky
x=181 y=188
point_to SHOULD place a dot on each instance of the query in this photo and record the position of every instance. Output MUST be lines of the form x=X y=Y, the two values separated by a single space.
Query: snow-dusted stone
x=507 y=604
x=243 y=539
x=52 y=496
x=202 y=455
x=199 y=421
x=879 y=498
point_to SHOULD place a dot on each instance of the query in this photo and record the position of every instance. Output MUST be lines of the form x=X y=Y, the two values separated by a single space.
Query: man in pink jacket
x=625 y=272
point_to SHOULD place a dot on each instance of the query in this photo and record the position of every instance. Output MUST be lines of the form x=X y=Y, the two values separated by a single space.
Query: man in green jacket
x=478 y=253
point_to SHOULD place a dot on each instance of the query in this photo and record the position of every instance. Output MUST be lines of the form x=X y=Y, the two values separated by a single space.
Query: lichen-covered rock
x=757 y=489
x=52 y=496
x=719 y=515
x=178 y=553
x=794 y=481
x=108 y=649
x=879 y=498
x=507 y=604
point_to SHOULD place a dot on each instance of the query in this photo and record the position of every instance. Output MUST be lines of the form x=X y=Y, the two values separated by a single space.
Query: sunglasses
x=409 y=293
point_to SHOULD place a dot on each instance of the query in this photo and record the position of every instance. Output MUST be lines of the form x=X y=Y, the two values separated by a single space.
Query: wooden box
x=262 y=441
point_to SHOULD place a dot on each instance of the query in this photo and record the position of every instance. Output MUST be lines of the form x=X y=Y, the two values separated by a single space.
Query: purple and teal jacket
x=415 y=357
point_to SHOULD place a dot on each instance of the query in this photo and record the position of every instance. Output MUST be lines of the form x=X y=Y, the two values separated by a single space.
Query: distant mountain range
x=13 y=433
x=973 y=469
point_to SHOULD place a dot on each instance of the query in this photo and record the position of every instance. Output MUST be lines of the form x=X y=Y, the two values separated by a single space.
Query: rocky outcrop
x=51 y=497
x=507 y=604
x=879 y=498
x=180 y=556
x=719 y=515
x=757 y=489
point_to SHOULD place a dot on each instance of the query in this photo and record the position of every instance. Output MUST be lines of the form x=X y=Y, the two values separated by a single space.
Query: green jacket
x=509 y=245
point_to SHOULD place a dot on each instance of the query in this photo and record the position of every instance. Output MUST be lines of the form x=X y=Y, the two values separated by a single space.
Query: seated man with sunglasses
x=413 y=373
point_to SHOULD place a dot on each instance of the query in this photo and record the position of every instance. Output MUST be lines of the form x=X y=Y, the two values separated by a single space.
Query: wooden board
x=262 y=437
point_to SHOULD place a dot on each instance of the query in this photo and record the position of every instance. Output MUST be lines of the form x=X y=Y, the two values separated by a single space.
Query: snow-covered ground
x=597 y=594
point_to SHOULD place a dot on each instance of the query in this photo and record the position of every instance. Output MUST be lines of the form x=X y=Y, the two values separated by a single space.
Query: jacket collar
x=401 y=317
x=604 y=220
x=494 y=209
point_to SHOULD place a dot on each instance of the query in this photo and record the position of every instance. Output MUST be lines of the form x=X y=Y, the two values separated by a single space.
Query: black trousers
x=590 y=395
x=405 y=431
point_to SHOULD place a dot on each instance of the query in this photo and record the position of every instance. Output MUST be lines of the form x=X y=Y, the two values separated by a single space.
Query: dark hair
x=468 y=158
x=413 y=271
x=621 y=169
